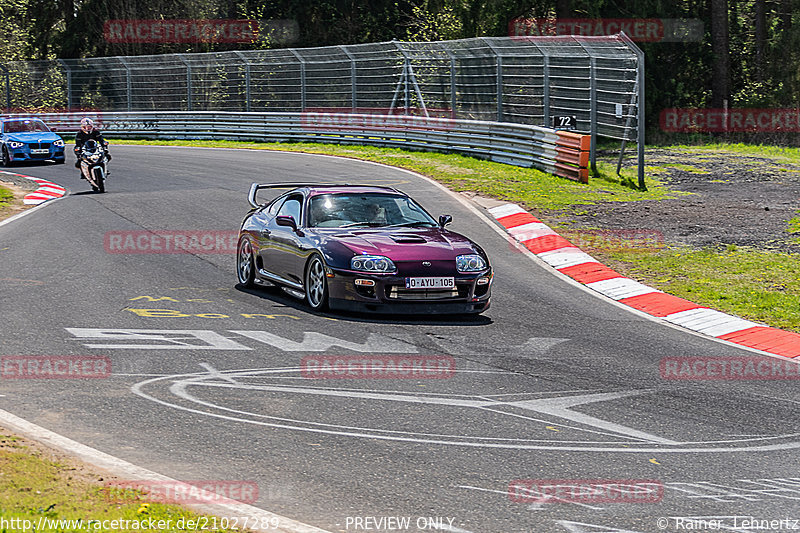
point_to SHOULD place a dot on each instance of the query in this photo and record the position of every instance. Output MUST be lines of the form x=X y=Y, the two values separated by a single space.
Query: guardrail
x=557 y=152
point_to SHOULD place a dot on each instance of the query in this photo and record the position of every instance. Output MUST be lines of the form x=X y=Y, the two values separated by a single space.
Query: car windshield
x=24 y=126
x=348 y=210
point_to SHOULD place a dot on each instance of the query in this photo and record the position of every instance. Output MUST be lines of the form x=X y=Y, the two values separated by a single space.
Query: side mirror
x=445 y=220
x=286 y=220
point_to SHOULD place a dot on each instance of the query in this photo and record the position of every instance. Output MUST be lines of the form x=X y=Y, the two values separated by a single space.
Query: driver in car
x=376 y=214
x=319 y=211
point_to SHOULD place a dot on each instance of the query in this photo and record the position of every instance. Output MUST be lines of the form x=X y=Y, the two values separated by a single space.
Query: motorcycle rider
x=88 y=131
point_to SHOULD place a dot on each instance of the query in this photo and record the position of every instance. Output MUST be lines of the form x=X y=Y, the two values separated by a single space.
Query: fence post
x=69 y=83
x=452 y=57
x=7 y=76
x=639 y=108
x=246 y=79
x=546 y=91
x=593 y=114
x=409 y=76
x=499 y=70
x=129 y=91
x=302 y=78
x=640 y=119
x=547 y=123
x=353 y=86
x=188 y=82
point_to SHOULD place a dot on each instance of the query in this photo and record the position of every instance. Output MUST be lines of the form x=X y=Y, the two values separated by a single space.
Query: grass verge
x=757 y=285
x=753 y=284
x=6 y=198
x=41 y=491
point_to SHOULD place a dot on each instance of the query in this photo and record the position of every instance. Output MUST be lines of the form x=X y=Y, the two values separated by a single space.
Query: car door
x=283 y=250
x=259 y=230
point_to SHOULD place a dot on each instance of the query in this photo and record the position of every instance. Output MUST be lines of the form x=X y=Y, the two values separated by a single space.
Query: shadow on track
x=276 y=295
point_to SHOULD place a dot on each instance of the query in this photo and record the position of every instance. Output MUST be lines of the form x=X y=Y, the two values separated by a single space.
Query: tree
x=720 y=81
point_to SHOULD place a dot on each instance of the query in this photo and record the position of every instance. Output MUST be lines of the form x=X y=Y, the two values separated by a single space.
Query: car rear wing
x=255 y=187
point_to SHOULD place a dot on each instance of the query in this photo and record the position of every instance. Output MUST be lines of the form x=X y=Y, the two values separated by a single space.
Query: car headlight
x=58 y=142
x=372 y=263
x=16 y=144
x=470 y=263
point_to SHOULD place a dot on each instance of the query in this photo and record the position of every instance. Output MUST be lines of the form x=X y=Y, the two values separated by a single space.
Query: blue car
x=29 y=139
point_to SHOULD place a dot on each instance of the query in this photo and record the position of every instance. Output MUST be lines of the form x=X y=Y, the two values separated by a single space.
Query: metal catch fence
x=592 y=84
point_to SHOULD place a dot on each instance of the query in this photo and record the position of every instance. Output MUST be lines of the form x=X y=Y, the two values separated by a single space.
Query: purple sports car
x=359 y=247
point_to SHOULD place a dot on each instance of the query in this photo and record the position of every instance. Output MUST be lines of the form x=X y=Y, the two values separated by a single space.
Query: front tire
x=98 y=178
x=316 y=284
x=6 y=158
x=245 y=263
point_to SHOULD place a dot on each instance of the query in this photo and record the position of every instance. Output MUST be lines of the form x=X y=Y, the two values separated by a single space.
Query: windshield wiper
x=363 y=224
x=416 y=223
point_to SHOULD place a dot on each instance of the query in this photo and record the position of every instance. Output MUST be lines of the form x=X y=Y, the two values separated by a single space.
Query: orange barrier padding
x=573 y=173
x=572 y=157
x=575 y=141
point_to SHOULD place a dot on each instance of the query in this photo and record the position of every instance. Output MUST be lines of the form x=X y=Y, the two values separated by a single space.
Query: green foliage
x=6 y=197
x=764 y=66
x=14 y=31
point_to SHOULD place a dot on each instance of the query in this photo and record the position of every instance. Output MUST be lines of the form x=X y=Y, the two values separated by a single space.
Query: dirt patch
x=15 y=206
x=70 y=467
x=735 y=199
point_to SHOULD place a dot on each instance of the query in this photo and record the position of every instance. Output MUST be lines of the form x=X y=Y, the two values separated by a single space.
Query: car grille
x=37 y=146
x=399 y=292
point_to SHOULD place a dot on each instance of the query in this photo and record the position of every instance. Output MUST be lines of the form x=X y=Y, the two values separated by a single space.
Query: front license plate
x=430 y=283
x=38 y=151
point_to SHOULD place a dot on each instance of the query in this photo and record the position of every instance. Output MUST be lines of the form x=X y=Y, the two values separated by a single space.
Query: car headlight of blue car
x=15 y=144
x=58 y=143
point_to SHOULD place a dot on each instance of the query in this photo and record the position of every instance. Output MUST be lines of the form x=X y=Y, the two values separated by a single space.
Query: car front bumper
x=388 y=294
x=25 y=155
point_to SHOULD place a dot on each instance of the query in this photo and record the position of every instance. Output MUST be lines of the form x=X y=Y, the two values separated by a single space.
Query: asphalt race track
x=551 y=383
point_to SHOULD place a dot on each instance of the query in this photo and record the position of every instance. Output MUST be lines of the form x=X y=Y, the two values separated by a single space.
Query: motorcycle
x=94 y=160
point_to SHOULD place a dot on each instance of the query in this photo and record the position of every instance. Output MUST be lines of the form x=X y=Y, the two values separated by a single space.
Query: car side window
x=291 y=207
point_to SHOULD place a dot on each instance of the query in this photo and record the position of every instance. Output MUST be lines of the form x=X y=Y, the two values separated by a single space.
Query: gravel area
x=734 y=199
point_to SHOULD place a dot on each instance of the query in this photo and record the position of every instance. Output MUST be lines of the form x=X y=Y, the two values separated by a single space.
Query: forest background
x=748 y=55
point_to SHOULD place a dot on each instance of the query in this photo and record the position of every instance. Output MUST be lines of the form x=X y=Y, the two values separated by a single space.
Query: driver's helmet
x=90 y=145
x=87 y=125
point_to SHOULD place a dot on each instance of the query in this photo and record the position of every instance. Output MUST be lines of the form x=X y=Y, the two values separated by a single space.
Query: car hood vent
x=408 y=238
